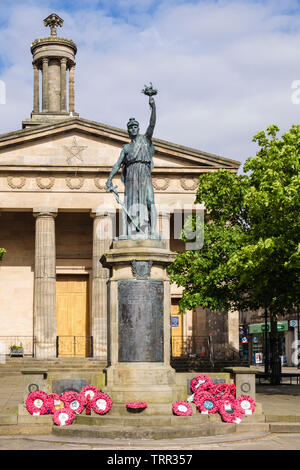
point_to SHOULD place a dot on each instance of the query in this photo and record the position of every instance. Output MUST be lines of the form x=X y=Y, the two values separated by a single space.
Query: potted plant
x=16 y=350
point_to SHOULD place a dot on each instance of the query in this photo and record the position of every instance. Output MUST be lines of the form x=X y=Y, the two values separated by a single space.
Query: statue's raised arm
x=150 y=91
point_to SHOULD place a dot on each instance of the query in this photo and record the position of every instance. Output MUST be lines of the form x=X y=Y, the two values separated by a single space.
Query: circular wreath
x=36 y=403
x=63 y=417
x=88 y=390
x=199 y=395
x=247 y=404
x=182 y=408
x=100 y=184
x=54 y=402
x=201 y=382
x=74 y=401
x=189 y=184
x=101 y=403
x=230 y=410
x=221 y=391
x=16 y=182
x=207 y=405
x=137 y=404
x=161 y=184
x=45 y=182
x=75 y=182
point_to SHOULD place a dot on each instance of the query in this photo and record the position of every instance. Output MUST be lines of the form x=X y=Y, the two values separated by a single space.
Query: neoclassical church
x=57 y=220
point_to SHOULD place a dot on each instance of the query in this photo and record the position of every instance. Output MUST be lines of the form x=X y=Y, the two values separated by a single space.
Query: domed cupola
x=53 y=69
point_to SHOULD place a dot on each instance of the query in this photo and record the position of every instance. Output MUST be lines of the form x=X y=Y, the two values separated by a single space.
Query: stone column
x=63 y=84
x=45 y=104
x=164 y=227
x=102 y=238
x=36 y=89
x=54 y=85
x=45 y=284
x=72 y=89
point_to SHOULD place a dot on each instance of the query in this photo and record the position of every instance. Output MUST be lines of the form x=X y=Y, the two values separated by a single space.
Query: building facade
x=57 y=220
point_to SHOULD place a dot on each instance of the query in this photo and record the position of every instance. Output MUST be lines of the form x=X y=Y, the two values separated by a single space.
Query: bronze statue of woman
x=136 y=159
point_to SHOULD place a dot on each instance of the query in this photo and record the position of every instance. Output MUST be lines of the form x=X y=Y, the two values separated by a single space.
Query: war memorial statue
x=139 y=214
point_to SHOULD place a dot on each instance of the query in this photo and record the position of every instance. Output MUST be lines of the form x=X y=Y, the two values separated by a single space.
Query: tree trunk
x=274 y=347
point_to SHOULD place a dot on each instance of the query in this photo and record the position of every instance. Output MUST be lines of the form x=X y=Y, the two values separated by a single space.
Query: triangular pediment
x=83 y=143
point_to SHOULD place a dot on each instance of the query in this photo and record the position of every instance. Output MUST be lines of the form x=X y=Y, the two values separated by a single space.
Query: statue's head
x=133 y=127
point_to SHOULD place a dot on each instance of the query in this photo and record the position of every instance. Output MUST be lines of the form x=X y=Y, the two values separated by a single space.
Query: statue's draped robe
x=136 y=175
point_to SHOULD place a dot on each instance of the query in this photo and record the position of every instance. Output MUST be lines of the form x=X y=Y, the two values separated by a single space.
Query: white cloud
x=223 y=69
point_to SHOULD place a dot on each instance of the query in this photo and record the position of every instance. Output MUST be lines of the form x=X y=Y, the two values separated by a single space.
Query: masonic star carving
x=74 y=152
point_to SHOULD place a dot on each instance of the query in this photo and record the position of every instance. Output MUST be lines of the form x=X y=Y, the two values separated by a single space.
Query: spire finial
x=53 y=21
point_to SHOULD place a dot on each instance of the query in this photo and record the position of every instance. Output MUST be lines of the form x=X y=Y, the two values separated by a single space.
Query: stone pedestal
x=244 y=378
x=139 y=314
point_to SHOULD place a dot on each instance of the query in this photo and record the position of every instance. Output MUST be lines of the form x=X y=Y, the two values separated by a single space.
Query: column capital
x=95 y=213
x=45 y=60
x=64 y=60
x=44 y=212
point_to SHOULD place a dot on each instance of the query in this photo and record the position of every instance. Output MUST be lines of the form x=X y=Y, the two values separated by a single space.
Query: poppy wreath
x=36 y=403
x=207 y=405
x=221 y=391
x=136 y=405
x=232 y=390
x=101 y=403
x=63 y=417
x=200 y=395
x=182 y=408
x=201 y=382
x=89 y=390
x=230 y=410
x=54 y=402
x=74 y=401
x=247 y=404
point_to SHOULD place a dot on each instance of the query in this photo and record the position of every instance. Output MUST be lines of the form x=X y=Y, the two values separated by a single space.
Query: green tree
x=250 y=257
x=2 y=253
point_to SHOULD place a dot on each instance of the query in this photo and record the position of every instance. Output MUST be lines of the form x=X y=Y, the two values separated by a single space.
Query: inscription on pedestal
x=141 y=312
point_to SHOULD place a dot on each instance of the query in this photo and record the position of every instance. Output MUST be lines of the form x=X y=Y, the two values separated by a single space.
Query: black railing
x=74 y=346
x=25 y=344
x=203 y=347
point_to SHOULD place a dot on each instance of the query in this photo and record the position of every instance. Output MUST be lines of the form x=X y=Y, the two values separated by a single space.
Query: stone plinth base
x=155 y=384
x=139 y=323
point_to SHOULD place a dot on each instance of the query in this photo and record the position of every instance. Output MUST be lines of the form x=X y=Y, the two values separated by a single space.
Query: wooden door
x=72 y=315
x=177 y=330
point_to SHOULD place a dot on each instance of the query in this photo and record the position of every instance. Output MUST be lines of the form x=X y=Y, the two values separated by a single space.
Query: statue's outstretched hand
x=109 y=185
x=151 y=101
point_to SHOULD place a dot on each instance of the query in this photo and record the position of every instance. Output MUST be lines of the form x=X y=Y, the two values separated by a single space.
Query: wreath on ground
x=136 y=405
x=74 y=401
x=207 y=405
x=230 y=410
x=221 y=391
x=54 y=402
x=63 y=417
x=200 y=383
x=182 y=408
x=200 y=395
x=36 y=403
x=247 y=404
x=101 y=403
x=89 y=390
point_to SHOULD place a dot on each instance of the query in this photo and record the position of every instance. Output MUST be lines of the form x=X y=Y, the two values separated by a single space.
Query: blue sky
x=224 y=69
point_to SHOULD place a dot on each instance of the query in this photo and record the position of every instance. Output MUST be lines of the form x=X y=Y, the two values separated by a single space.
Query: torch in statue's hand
x=150 y=91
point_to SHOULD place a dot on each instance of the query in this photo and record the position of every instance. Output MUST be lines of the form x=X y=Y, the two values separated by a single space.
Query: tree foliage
x=2 y=253
x=250 y=258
